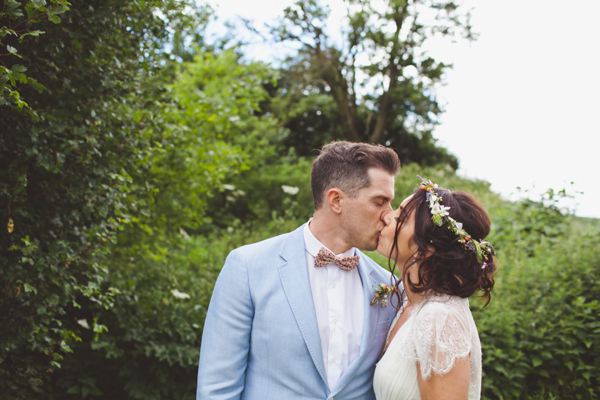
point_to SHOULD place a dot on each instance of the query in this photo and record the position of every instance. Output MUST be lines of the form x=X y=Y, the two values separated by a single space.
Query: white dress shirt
x=339 y=304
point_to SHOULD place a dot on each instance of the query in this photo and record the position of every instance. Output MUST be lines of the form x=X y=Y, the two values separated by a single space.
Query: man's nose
x=386 y=210
x=385 y=216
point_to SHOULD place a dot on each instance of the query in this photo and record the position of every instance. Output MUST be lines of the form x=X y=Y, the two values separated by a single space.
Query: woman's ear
x=334 y=198
x=428 y=253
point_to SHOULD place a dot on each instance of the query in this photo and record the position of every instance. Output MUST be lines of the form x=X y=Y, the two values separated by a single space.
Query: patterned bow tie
x=325 y=257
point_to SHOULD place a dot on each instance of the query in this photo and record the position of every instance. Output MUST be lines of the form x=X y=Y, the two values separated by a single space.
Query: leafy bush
x=280 y=189
x=67 y=164
x=164 y=276
x=152 y=345
x=539 y=333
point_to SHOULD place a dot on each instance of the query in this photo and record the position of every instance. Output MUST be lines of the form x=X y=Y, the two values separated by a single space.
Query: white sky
x=522 y=101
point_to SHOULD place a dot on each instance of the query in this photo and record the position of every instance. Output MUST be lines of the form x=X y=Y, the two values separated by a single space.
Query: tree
x=68 y=184
x=377 y=86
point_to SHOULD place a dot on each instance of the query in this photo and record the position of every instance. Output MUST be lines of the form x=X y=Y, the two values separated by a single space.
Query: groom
x=287 y=318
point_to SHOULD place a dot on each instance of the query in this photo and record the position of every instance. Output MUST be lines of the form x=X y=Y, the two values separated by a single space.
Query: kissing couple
x=307 y=315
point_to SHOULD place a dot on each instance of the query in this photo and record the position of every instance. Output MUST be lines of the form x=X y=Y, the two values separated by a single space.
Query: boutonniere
x=382 y=292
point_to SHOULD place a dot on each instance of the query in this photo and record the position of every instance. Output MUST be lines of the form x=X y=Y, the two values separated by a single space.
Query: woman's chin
x=381 y=250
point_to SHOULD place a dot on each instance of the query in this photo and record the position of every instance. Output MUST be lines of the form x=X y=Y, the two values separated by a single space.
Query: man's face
x=362 y=216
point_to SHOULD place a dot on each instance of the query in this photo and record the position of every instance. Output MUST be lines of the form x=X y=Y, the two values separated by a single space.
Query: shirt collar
x=313 y=245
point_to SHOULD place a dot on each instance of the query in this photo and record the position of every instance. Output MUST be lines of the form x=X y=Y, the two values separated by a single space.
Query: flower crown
x=483 y=249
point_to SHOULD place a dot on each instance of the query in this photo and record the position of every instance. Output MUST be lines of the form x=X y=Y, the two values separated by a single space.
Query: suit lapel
x=293 y=273
x=371 y=313
x=371 y=318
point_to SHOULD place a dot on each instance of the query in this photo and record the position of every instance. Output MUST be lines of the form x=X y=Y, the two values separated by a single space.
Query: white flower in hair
x=439 y=209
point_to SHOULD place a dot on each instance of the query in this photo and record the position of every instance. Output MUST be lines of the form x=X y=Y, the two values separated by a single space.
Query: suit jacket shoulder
x=269 y=250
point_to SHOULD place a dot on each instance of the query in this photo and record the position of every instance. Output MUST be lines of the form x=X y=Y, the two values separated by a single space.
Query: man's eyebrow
x=383 y=197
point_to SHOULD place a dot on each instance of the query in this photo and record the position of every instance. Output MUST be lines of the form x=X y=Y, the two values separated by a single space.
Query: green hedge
x=540 y=332
x=151 y=348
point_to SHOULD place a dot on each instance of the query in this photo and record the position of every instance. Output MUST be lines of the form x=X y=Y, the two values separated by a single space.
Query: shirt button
x=333 y=285
x=333 y=360
x=334 y=321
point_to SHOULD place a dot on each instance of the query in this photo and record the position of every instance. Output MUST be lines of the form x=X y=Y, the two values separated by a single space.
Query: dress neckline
x=394 y=321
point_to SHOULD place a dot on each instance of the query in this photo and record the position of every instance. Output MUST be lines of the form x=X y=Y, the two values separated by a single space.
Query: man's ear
x=334 y=198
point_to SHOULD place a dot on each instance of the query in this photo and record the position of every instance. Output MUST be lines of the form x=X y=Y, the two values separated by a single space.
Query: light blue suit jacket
x=261 y=338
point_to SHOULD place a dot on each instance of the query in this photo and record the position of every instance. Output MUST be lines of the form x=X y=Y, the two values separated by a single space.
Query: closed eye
x=381 y=201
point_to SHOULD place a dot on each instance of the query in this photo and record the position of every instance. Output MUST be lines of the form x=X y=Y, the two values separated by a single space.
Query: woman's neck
x=412 y=275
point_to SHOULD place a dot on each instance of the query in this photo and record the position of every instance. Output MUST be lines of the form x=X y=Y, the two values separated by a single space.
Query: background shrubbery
x=540 y=334
x=132 y=163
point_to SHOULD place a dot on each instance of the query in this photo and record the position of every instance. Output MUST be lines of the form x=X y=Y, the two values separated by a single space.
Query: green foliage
x=152 y=347
x=165 y=277
x=17 y=20
x=67 y=174
x=213 y=133
x=276 y=190
x=539 y=333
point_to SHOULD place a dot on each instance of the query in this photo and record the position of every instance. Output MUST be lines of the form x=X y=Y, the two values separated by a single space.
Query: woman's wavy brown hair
x=446 y=265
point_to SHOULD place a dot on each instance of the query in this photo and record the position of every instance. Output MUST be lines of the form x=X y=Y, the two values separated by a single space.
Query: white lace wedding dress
x=438 y=331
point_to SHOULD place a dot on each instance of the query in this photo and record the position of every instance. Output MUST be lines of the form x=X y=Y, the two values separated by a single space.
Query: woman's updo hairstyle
x=447 y=266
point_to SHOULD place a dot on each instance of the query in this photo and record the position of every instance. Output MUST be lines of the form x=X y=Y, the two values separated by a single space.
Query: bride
x=433 y=349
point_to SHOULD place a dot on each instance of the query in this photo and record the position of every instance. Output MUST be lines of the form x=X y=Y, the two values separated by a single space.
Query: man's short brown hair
x=345 y=165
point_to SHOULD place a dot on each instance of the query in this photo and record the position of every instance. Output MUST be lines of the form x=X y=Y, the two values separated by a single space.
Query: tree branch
x=395 y=53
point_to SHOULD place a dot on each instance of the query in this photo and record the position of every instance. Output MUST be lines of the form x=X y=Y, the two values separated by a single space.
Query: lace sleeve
x=441 y=335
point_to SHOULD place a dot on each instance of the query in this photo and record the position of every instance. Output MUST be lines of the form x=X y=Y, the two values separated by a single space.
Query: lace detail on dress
x=440 y=334
x=439 y=331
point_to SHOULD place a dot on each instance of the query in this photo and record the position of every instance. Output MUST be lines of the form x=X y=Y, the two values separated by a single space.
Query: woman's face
x=406 y=247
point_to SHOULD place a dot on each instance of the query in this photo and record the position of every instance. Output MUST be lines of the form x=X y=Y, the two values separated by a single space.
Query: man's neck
x=328 y=233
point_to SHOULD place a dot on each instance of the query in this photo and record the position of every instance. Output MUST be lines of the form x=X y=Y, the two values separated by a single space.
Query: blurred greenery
x=136 y=156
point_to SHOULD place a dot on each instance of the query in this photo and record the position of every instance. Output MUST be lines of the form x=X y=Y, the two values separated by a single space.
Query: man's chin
x=369 y=246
